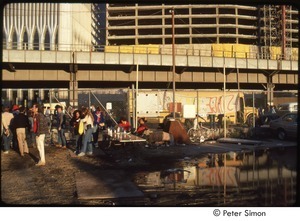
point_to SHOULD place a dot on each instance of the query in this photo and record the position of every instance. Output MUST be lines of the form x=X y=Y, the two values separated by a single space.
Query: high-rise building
x=261 y=25
x=47 y=26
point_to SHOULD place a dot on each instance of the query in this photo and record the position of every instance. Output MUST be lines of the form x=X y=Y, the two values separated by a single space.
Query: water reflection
x=245 y=178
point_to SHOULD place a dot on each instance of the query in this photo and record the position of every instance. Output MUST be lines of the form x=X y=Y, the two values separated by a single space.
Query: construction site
x=170 y=65
x=264 y=26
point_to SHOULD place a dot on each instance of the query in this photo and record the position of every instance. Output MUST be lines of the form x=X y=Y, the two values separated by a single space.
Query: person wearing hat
x=7 y=134
x=15 y=108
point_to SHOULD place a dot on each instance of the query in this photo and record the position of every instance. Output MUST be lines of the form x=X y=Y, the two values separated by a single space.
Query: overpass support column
x=73 y=87
x=270 y=90
x=20 y=96
x=41 y=95
x=9 y=95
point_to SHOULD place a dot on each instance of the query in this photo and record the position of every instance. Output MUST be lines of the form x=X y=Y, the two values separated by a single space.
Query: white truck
x=157 y=104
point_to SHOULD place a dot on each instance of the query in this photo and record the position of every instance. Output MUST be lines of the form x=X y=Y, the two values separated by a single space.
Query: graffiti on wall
x=207 y=104
x=215 y=104
x=217 y=176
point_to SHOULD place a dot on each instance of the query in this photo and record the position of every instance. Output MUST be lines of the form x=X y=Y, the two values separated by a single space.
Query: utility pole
x=73 y=85
x=137 y=95
x=224 y=100
x=173 y=60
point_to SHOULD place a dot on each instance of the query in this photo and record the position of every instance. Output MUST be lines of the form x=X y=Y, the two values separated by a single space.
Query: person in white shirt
x=7 y=133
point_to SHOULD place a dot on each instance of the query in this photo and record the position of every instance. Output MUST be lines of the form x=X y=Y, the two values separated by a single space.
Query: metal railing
x=291 y=55
x=46 y=46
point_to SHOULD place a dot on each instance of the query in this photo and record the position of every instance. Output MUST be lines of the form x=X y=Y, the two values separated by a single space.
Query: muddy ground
x=23 y=183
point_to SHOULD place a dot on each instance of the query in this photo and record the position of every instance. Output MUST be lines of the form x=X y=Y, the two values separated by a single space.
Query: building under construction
x=263 y=25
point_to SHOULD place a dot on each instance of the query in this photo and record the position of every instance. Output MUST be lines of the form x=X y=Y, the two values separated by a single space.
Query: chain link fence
x=27 y=97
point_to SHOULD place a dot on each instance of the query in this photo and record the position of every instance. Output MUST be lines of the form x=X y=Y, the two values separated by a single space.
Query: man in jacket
x=40 y=128
x=61 y=124
x=21 y=123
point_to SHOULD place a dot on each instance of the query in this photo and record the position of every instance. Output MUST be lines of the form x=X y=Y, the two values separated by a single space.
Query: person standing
x=7 y=133
x=40 y=128
x=98 y=125
x=88 y=120
x=15 y=112
x=61 y=124
x=48 y=116
x=31 y=135
x=273 y=110
x=21 y=123
x=74 y=123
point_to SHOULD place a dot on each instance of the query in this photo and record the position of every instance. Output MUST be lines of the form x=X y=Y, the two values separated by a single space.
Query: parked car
x=291 y=107
x=264 y=120
x=285 y=126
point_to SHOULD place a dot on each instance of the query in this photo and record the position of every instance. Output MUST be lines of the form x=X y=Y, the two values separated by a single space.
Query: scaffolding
x=278 y=29
x=271 y=27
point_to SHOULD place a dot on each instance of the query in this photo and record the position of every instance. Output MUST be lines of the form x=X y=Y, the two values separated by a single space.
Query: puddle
x=244 y=178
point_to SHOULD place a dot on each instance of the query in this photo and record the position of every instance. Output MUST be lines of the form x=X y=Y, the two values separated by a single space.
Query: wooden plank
x=239 y=141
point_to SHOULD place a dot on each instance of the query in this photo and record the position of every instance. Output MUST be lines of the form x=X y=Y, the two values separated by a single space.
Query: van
x=291 y=107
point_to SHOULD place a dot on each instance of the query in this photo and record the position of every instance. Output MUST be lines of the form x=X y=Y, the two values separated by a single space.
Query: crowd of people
x=22 y=128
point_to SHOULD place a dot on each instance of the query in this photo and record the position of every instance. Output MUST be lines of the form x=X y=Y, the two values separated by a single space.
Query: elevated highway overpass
x=94 y=67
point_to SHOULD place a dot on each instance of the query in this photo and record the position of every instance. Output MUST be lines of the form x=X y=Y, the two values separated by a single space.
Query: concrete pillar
x=73 y=90
x=136 y=24
x=30 y=97
x=41 y=94
x=73 y=84
x=20 y=95
x=163 y=26
x=30 y=94
x=9 y=95
x=217 y=24
x=270 y=93
x=270 y=90
x=62 y=94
